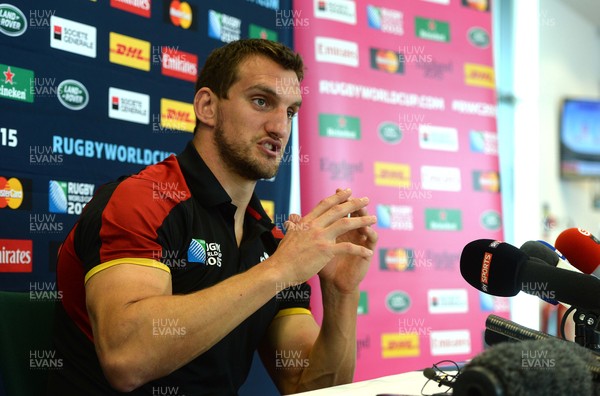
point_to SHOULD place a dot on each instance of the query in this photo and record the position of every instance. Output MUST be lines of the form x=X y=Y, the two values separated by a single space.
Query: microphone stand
x=587 y=329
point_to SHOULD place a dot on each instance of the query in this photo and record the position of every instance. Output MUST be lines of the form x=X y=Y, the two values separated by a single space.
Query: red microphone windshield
x=581 y=248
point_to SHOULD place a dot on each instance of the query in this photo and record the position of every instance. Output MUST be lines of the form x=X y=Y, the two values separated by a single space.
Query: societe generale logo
x=72 y=36
x=129 y=51
x=128 y=105
x=336 y=10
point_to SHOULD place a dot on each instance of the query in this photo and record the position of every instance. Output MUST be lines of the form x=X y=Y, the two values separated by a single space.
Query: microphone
x=535 y=367
x=542 y=252
x=500 y=269
x=431 y=374
x=511 y=331
x=555 y=250
x=547 y=253
x=581 y=248
x=550 y=255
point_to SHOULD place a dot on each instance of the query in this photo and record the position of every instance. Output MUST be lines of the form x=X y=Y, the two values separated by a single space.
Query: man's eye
x=291 y=114
x=260 y=102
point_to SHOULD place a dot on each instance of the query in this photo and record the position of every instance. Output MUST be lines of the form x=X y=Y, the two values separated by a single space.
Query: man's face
x=254 y=122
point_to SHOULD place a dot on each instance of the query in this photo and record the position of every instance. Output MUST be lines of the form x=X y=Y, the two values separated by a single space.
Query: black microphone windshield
x=541 y=251
x=500 y=269
x=541 y=367
x=429 y=373
x=492 y=266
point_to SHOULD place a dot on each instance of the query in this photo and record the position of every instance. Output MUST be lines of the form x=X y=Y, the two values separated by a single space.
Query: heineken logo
x=478 y=37
x=72 y=94
x=431 y=29
x=256 y=31
x=15 y=83
x=12 y=21
x=363 y=304
x=339 y=126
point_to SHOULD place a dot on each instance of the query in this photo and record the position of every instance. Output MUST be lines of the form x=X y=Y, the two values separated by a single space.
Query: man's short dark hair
x=220 y=70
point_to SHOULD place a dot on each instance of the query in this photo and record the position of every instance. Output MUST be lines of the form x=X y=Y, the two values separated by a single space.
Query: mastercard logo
x=480 y=5
x=180 y=13
x=11 y=193
x=397 y=260
x=489 y=181
x=387 y=60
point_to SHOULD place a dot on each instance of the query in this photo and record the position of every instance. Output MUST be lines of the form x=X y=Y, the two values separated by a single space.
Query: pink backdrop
x=399 y=105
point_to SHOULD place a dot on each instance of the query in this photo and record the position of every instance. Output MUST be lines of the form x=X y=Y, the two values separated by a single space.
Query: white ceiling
x=589 y=9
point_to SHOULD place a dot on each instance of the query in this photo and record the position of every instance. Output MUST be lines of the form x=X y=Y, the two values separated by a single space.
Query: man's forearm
x=333 y=357
x=138 y=342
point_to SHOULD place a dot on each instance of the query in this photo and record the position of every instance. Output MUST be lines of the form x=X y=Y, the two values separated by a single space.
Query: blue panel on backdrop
x=86 y=96
x=74 y=112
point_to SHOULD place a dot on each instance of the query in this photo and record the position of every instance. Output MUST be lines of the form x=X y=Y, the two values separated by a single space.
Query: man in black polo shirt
x=170 y=278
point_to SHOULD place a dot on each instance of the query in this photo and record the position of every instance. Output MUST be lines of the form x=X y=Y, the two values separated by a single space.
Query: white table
x=409 y=383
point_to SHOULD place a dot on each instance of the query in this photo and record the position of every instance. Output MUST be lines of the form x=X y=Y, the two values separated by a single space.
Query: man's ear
x=205 y=106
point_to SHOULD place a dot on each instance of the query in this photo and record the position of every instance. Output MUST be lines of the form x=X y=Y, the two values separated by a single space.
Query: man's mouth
x=269 y=146
x=272 y=146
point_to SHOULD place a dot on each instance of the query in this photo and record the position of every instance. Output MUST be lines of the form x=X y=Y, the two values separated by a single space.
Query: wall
x=549 y=52
x=569 y=67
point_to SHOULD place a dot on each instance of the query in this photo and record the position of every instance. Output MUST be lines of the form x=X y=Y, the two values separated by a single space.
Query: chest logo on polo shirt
x=205 y=253
x=264 y=256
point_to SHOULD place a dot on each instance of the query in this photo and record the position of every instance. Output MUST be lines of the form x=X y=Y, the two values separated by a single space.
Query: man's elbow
x=122 y=374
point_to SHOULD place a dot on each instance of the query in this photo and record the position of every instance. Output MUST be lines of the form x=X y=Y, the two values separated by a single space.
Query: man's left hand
x=345 y=272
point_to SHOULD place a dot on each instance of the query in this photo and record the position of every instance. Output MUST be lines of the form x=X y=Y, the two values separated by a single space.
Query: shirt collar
x=205 y=187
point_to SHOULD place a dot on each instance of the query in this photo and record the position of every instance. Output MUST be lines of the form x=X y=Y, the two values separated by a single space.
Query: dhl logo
x=392 y=175
x=129 y=51
x=395 y=345
x=177 y=115
x=269 y=207
x=479 y=75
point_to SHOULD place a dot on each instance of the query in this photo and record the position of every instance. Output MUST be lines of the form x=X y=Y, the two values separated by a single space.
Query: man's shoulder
x=163 y=180
x=157 y=185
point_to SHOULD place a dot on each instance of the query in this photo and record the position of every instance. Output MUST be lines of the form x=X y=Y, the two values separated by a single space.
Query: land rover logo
x=398 y=301
x=390 y=132
x=72 y=94
x=479 y=37
x=490 y=220
x=12 y=21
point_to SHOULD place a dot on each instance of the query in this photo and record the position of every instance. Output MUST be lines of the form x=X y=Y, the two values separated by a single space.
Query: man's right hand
x=310 y=241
